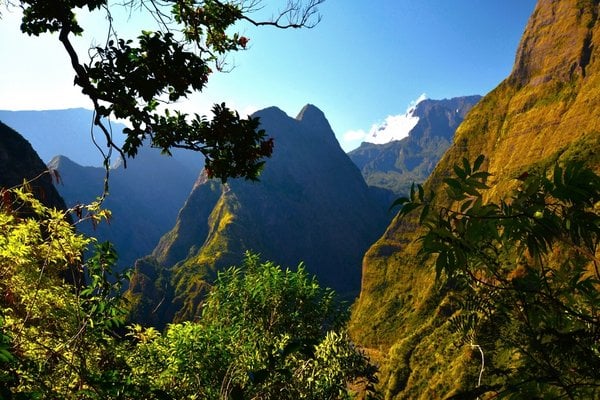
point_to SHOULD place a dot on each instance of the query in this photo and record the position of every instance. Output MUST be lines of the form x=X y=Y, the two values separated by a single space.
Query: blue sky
x=365 y=61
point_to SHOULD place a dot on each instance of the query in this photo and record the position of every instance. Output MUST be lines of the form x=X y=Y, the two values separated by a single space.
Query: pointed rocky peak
x=313 y=118
x=60 y=161
x=310 y=112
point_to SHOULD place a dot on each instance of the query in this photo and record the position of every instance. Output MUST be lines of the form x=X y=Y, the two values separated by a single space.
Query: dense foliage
x=523 y=274
x=137 y=79
x=57 y=338
x=264 y=332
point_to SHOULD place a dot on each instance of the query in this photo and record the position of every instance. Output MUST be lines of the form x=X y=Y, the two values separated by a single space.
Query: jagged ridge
x=394 y=166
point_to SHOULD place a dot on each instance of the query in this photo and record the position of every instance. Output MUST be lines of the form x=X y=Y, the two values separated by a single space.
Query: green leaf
x=466 y=166
x=454 y=184
x=459 y=172
x=399 y=202
x=407 y=208
x=478 y=162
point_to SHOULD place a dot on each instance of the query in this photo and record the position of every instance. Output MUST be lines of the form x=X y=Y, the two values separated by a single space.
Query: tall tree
x=137 y=79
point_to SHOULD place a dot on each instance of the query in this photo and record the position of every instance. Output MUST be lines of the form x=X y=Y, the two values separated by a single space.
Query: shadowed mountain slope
x=144 y=199
x=19 y=162
x=310 y=205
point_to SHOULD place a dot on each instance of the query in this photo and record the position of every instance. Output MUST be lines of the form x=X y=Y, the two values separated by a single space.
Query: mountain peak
x=272 y=110
x=315 y=119
x=310 y=112
x=60 y=161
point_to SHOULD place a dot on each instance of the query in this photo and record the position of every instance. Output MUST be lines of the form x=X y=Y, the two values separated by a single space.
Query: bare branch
x=295 y=15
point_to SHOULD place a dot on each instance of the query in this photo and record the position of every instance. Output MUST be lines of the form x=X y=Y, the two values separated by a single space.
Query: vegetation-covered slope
x=310 y=205
x=547 y=110
x=396 y=165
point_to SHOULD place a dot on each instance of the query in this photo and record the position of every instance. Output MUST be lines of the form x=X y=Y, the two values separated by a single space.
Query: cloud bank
x=394 y=127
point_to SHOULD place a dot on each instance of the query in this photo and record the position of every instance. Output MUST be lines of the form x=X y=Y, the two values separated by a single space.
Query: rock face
x=310 y=205
x=394 y=166
x=548 y=109
x=19 y=161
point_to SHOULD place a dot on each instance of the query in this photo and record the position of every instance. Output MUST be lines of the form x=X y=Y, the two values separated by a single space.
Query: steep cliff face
x=18 y=162
x=394 y=166
x=547 y=109
x=310 y=205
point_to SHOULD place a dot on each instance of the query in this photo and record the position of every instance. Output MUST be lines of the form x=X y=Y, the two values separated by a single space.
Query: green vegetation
x=522 y=277
x=263 y=332
x=57 y=338
x=543 y=113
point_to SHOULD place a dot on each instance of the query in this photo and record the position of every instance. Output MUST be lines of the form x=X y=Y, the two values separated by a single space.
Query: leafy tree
x=130 y=79
x=523 y=274
x=264 y=333
x=57 y=339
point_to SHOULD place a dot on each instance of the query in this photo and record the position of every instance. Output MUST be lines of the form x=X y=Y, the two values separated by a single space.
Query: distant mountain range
x=68 y=133
x=61 y=132
x=310 y=205
x=144 y=197
x=391 y=165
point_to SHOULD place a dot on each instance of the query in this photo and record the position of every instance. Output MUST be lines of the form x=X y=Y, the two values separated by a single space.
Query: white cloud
x=395 y=127
x=352 y=136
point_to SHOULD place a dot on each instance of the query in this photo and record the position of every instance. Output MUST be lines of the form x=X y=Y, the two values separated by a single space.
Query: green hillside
x=547 y=110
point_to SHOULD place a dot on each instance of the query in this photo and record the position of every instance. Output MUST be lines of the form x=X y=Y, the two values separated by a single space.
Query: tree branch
x=83 y=80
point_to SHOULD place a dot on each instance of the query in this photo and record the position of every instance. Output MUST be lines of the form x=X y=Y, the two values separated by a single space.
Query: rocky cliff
x=19 y=162
x=310 y=205
x=548 y=109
